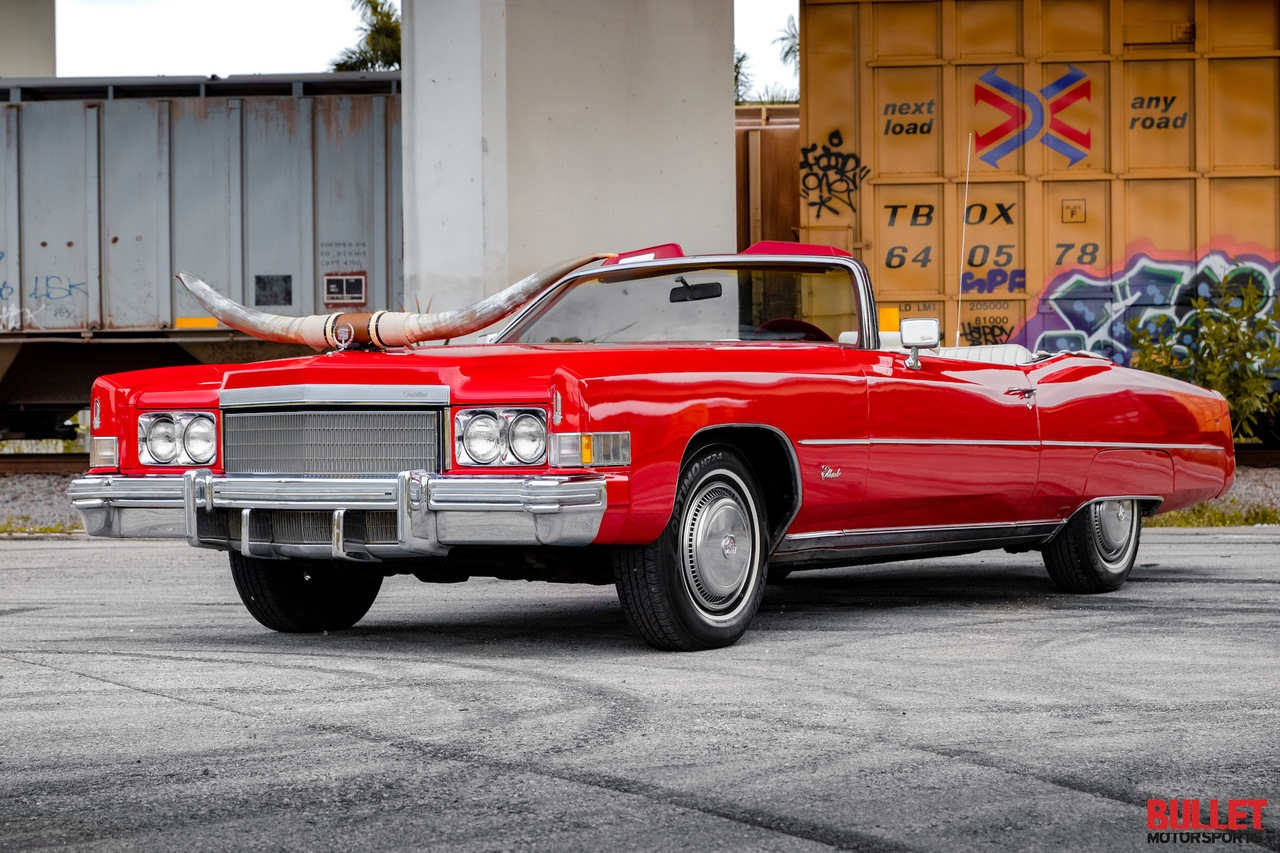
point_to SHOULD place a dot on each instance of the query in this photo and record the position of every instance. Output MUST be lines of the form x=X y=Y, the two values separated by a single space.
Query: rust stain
x=273 y=113
x=345 y=119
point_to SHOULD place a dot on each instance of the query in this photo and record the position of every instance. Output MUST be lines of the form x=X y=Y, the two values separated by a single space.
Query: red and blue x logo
x=1027 y=111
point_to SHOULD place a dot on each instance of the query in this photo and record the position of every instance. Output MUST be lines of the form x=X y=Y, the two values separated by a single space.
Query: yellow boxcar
x=1044 y=171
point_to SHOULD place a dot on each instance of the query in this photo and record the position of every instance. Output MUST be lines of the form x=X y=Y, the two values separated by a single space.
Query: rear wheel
x=1096 y=550
x=699 y=585
x=303 y=596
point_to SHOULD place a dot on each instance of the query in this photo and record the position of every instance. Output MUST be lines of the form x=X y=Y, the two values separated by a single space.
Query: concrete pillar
x=27 y=38
x=536 y=130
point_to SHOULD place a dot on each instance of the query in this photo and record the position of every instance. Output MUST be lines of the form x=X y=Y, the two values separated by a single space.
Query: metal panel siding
x=831 y=169
x=59 y=209
x=279 y=233
x=989 y=28
x=205 y=147
x=394 y=209
x=10 y=274
x=350 y=222
x=135 y=203
x=1251 y=25
x=1245 y=97
x=102 y=200
x=1076 y=27
x=1121 y=153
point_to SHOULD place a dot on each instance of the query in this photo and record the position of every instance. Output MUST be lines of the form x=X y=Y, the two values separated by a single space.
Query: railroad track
x=44 y=463
x=1247 y=456
x=1257 y=457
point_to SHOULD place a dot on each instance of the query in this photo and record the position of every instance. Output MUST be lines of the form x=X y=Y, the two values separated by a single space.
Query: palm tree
x=789 y=44
x=379 y=45
x=741 y=76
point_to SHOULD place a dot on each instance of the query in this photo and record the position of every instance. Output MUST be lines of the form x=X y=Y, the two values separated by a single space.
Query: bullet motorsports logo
x=1188 y=821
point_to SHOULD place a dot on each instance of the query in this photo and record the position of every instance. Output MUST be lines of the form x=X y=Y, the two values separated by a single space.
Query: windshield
x=695 y=303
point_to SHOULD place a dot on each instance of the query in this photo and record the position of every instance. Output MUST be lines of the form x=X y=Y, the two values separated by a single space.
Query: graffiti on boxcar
x=831 y=176
x=1081 y=311
x=51 y=299
x=54 y=288
x=985 y=334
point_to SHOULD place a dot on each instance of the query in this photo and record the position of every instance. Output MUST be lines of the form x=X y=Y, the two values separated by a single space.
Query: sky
x=145 y=38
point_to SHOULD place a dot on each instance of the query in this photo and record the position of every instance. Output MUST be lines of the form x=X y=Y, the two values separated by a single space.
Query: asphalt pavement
x=945 y=705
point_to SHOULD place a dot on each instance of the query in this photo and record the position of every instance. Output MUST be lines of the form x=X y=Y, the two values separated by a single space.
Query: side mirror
x=917 y=334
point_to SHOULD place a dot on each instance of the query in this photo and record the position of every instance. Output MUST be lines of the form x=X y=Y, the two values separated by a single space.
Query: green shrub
x=1229 y=343
x=1227 y=513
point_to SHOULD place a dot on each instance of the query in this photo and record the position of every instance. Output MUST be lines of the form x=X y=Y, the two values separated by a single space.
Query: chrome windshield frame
x=869 y=334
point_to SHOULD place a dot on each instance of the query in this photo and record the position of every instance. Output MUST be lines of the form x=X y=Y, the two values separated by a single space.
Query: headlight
x=177 y=438
x=482 y=438
x=162 y=440
x=500 y=436
x=527 y=437
x=200 y=439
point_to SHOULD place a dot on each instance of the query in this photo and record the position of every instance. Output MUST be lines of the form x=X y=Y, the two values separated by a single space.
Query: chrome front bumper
x=417 y=512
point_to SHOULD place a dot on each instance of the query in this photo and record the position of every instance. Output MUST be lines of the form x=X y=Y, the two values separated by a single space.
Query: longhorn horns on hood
x=381 y=328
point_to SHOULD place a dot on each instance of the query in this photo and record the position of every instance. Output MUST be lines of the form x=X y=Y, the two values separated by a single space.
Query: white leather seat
x=996 y=354
x=890 y=340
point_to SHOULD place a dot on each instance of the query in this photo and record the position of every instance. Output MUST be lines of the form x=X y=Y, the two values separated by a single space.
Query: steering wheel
x=789 y=329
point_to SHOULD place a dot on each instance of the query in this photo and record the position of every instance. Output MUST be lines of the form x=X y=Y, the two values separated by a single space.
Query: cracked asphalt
x=944 y=705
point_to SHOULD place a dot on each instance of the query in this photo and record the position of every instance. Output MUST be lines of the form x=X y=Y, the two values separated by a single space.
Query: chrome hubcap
x=1113 y=531
x=717 y=549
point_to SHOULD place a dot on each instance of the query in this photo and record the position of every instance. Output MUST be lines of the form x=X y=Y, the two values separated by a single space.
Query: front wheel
x=699 y=585
x=303 y=596
x=1096 y=550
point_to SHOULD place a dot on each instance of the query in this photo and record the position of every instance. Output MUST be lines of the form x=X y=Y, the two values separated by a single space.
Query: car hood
x=500 y=374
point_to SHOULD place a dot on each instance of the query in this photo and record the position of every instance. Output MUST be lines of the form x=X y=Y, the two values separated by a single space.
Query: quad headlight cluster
x=500 y=436
x=520 y=437
x=177 y=438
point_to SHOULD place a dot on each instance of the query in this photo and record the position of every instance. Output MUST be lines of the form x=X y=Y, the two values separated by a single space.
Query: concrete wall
x=27 y=38
x=536 y=130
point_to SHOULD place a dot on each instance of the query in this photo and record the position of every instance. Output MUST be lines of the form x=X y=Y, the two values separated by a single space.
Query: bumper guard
x=432 y=512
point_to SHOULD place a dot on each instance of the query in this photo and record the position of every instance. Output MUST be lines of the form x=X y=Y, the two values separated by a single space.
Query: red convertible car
x=685 y=427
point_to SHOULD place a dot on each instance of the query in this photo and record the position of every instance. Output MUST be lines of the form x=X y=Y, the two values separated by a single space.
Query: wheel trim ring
x=718 y=593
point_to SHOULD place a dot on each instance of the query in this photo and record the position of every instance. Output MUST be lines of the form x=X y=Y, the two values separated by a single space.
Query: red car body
x=851 y=453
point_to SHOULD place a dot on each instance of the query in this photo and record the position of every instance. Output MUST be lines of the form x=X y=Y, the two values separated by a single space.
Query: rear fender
x=1114 y=473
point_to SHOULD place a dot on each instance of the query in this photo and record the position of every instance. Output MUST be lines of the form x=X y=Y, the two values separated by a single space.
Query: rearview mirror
x=919 y=333
x=694 y=292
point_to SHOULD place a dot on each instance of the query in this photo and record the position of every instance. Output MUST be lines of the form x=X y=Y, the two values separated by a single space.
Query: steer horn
x=381 y=328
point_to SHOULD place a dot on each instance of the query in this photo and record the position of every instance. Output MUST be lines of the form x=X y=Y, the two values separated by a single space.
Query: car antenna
x=964 y=223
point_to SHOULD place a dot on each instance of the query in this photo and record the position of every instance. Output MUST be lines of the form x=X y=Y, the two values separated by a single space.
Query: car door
x=952 y=443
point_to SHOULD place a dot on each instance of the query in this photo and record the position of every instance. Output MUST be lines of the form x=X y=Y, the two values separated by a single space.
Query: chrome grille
x=335 y=443
x=297 y=527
